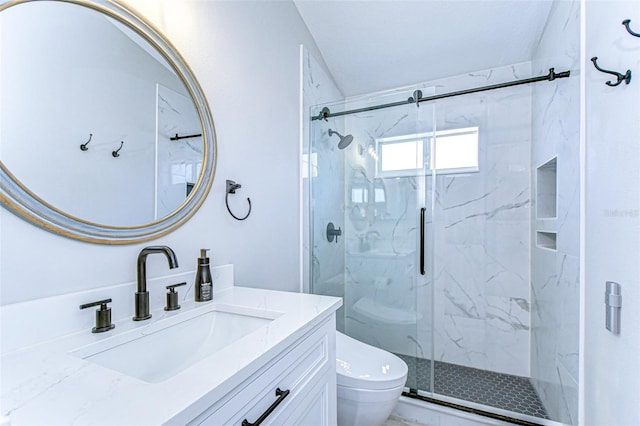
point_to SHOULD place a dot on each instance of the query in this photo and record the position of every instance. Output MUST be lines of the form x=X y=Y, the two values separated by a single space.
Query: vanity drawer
x=301 y=367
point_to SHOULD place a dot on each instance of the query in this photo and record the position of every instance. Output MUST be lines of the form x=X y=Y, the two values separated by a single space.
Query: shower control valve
x=332 y=232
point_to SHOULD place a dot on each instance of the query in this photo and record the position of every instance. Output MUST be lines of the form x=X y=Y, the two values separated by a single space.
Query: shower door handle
x=422 y=212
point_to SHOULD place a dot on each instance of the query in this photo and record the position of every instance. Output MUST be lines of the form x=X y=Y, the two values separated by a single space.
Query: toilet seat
x=366 y=367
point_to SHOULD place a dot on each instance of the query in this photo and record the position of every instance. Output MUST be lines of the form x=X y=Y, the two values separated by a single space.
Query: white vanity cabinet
x=293 y=349
x=306 y=369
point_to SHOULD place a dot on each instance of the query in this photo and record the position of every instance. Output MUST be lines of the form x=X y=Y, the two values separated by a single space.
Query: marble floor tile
x=504 y=391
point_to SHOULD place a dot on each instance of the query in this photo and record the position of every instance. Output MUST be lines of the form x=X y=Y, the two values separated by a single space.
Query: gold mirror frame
x=19 y=200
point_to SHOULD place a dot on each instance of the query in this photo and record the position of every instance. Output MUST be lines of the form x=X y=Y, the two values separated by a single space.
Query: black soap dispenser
x=204 y=284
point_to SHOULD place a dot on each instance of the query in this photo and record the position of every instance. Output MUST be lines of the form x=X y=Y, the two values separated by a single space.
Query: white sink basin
x=168 y=346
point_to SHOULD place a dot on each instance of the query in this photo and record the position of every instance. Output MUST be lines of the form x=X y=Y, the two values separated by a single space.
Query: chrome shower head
x=344 y=140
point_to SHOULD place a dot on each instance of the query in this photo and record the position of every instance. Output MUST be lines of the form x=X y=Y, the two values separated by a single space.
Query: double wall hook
x=621 y=77
x=231 y=189
x=84 y=145
x=115 y=153
x=626 y=24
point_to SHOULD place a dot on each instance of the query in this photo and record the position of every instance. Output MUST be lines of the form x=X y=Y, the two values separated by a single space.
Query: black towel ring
x=231 y=189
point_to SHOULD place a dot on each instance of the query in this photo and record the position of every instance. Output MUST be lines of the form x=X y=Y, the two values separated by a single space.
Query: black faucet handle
x=103 y=304
x=103 y=315
x=173 y=286
x=172 y=297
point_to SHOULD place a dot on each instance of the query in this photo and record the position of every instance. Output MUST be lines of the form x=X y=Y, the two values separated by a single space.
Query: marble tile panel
x=461 y=341
x=507 y=260
x=569 y=306
x=326 y=265
x=555 y=289
x=507 y=335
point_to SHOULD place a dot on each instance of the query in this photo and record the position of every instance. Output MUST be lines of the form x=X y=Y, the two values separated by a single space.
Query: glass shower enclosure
x=430 y=206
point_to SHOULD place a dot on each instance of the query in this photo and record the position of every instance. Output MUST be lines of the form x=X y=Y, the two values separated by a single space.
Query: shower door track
x=413 y=393
x=326 y=113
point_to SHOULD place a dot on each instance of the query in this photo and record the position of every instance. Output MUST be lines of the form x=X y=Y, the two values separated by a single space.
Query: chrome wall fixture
x=231 y=189
x=626 y=77
x=613 y=306
x=116 y=152
x=626 y=25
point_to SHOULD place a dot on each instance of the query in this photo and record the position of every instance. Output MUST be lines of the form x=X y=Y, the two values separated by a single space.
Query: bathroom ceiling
x=373 y=45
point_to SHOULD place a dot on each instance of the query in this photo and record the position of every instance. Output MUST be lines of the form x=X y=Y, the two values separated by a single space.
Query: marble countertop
x=45 y=384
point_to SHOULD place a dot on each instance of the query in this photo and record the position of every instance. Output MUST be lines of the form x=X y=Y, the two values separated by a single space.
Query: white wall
x=246 y=56
x=611 y=377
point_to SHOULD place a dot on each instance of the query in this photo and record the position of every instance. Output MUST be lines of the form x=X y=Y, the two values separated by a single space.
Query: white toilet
x=370 y=382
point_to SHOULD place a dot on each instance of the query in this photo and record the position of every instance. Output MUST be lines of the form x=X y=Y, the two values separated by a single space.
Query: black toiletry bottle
x=204 y=285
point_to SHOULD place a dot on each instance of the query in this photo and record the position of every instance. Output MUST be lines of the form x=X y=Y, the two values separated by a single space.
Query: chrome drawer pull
x=281 y=396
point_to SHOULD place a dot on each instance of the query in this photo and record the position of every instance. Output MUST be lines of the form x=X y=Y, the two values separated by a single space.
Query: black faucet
x=142 y=295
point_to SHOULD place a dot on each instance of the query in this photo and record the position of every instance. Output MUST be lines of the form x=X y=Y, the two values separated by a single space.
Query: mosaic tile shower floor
x=512 y=393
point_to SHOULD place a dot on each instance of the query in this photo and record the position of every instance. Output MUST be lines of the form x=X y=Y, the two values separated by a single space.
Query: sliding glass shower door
x=370 y=180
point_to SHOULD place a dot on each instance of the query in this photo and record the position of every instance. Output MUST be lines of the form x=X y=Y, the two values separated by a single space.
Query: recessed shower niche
x=547 y=189
x=546 y=240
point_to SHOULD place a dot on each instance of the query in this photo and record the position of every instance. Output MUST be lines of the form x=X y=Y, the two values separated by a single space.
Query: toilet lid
x=366 y=367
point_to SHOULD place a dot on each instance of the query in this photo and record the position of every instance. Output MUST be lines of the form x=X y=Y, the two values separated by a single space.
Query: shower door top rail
x=552 y=75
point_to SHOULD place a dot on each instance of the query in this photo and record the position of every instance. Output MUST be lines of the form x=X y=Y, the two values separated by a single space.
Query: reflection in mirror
x=377 y=199
x=359 y=206
x=94 y=73
x=70 y=71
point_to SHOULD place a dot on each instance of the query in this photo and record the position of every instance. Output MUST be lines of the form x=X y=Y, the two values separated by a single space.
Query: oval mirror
x=106 y=135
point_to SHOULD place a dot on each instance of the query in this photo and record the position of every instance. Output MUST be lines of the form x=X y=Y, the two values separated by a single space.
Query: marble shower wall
x=323 y=186
x=481 y=229
x=555 y=284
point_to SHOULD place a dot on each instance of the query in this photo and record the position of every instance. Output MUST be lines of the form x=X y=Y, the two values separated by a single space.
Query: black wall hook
x=621 y=77
x=626 y=24
x=231 y=189
x=115 y=153
x=84 y=145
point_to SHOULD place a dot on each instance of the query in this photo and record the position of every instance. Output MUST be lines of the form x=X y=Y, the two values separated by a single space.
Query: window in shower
x=400 y=156
x=455 y=151
x=450 y=151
